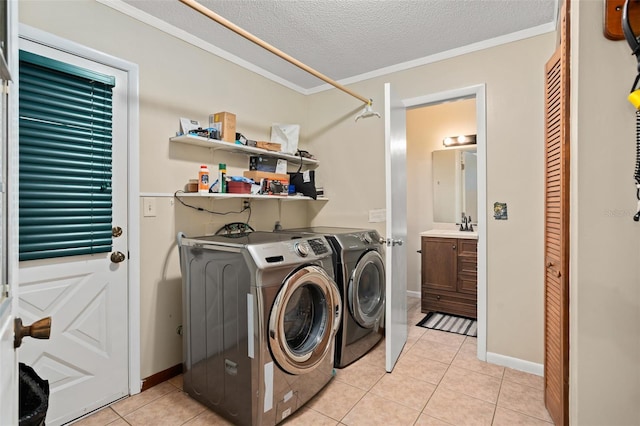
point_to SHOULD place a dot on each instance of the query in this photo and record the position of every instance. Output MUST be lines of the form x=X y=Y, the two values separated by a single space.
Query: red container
x=238 y=187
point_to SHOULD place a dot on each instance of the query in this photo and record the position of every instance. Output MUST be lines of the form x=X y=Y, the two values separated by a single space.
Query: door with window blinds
x=556 y=286
x=73 y=191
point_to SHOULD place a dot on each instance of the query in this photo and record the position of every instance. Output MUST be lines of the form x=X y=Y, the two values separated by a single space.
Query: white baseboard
x=415 y=294
x=516 y=364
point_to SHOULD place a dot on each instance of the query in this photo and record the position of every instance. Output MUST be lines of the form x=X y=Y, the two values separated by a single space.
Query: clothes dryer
x=358 y=260
x=261 y=311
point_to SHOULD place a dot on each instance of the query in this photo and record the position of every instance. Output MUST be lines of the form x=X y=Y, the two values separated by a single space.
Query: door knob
x=117 y=257
x=40 y=329
x=116 y=231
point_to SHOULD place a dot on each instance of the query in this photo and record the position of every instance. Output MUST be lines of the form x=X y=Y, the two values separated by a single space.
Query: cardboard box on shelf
x=269 y=146
x=258 y=175
x=225 y=122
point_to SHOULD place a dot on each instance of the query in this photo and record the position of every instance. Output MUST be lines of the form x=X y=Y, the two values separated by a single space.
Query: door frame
x=133 y=200
x=479 y=92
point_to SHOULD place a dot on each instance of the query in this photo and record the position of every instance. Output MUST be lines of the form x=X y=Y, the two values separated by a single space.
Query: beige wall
x=177 y=80
x=605 y=242
x=426 y=128
x=514 y=78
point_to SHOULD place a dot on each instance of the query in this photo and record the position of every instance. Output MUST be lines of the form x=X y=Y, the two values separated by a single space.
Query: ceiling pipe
x=236 y=29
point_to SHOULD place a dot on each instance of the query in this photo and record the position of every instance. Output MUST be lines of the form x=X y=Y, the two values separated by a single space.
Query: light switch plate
x=149 y=207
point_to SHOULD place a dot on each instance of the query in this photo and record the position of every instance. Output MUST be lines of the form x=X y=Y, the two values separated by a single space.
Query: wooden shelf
x=252 y=196
x=241 y=149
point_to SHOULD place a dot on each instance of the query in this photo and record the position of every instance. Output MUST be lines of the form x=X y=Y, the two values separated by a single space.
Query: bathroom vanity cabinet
x=449 y=275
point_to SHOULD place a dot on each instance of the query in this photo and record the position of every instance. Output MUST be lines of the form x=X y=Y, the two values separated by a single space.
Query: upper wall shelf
x=243 y=149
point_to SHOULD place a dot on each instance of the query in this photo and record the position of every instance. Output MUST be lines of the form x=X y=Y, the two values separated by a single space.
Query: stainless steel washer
x=261 y=311
x=358 y=261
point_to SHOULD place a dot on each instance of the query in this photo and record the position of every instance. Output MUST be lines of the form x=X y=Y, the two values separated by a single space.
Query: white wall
x=605 y=242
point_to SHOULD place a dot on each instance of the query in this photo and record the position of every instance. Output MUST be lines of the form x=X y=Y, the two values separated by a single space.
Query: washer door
x=304 y=320
x=367 y=289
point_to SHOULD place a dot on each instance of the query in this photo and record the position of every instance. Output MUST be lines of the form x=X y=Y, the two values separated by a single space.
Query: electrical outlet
x=246 y=204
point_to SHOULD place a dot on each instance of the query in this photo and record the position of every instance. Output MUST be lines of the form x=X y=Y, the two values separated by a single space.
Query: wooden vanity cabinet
x=449 y=276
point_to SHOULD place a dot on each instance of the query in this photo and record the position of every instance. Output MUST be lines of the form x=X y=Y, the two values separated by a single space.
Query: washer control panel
x=318 y=246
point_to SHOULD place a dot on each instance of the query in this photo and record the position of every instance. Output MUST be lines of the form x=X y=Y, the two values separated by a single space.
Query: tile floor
x=437 y=381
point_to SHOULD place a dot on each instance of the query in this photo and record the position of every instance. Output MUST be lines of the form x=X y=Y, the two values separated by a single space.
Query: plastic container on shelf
x=203 y=180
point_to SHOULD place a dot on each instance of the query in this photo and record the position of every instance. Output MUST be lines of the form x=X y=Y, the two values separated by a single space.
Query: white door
x=9 y=370
x=86 y=358
x=8 y=237
x=396 y=253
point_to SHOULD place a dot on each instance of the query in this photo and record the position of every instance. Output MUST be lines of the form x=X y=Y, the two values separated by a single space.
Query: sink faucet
x=465 y=223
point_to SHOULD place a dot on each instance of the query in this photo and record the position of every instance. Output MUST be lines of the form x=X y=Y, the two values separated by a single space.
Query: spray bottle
x=203 y=180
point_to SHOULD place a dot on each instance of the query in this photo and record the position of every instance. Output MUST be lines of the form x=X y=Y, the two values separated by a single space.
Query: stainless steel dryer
x=360 y=275
x=260 y=316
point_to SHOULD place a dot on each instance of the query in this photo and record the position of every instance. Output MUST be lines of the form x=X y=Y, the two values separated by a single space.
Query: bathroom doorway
x=429 y=119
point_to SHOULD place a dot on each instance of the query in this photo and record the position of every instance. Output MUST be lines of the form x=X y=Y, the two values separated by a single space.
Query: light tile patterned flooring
x=437 y=381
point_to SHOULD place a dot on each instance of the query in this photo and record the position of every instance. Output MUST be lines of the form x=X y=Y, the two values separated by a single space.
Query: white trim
x=516 y=363
x=416 y=294
x=156 y=194
x=479 y=92
x=165 y=27
x=41 y=37
x=448 y=54
x=161 y=25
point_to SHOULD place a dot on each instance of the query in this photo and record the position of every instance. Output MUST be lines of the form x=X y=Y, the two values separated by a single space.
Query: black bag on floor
x=34 y=397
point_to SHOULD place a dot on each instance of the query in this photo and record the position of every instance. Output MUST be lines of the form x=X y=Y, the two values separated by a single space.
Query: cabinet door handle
x=453 y=247
x=437 y=297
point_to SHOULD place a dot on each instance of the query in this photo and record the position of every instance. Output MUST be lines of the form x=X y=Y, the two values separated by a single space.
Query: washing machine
x=260 y=315
x=358 y=260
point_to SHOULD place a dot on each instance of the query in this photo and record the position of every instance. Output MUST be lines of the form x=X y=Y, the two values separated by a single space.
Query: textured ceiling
x=347 y=39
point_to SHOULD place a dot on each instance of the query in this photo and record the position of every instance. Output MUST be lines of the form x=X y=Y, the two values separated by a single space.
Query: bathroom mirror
x=455 y=187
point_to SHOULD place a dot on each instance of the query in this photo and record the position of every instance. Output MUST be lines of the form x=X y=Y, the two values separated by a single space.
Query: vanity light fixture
x=459 y=140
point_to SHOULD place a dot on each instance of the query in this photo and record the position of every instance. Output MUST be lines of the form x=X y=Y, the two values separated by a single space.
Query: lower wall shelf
x=252 y=196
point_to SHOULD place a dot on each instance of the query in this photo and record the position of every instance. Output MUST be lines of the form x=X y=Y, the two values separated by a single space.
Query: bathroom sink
x=450 y=233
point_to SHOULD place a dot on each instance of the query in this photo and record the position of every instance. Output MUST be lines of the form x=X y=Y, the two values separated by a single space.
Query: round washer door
x=304 y=320
x=367 y=289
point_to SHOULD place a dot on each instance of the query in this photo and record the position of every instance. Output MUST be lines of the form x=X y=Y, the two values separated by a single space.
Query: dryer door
x=304 y=320
x=366 y=290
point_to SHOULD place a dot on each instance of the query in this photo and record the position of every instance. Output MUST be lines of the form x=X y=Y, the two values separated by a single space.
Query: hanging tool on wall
x=631 y=8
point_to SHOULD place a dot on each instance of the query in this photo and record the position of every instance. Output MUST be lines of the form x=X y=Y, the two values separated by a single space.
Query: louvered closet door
x=556 y=359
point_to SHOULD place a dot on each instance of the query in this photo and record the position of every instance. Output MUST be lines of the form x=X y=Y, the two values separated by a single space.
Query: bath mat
x=450 y=323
